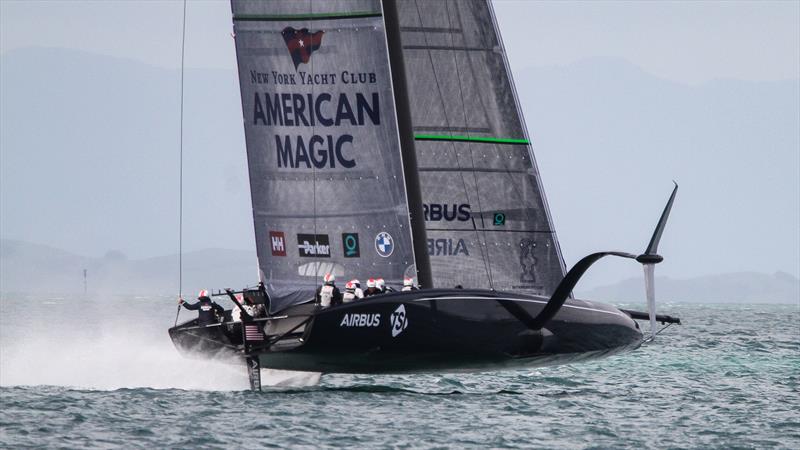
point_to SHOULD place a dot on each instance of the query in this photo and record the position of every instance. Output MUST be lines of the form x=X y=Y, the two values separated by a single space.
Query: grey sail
x=487 y=219
x=323 y=151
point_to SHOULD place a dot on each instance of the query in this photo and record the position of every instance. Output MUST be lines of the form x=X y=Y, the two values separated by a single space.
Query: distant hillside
x=743 y=287
x=33 y=268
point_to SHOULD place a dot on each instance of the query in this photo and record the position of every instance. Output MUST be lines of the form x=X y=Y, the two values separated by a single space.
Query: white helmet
x=356 y=282
x=380 y=284
x=329 y=278
x=350 y=286
x=408 y=282
x=371 y=283
x=204 y=293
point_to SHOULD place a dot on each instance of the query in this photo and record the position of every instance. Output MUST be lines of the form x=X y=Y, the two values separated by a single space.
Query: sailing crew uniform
x=251 y=310
x=207 y=311
x=349 y=296
x=328 y=295
x=372 y=291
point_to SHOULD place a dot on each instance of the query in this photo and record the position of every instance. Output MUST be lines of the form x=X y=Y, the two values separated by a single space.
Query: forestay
x=488 y=222
x=324 y=159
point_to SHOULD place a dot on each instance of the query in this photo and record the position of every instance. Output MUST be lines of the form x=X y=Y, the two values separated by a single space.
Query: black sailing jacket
x=207 y=311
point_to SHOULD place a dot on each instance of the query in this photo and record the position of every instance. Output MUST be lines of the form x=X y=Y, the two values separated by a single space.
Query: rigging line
x=180 y=172
x=318 y=264
x=488 y=261
x=452 y=143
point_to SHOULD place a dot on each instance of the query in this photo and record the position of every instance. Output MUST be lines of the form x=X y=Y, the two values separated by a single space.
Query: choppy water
x=102 y=373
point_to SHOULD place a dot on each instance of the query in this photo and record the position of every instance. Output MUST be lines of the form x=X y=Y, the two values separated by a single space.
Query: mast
x=407 y=150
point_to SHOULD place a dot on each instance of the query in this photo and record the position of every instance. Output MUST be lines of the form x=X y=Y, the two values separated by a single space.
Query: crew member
x=408 y=284
x=256 y=309
x=381 y=285
x=208 y=312
x=357 y=285
x=252 y=309
x=372 y=288
x=236 y=313
x=328 y=294
x=349 y=292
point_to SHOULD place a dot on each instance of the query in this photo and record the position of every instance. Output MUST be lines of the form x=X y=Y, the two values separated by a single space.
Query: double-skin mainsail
x=328 y=188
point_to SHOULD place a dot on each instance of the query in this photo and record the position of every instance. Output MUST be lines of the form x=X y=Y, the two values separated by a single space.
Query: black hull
x=424 y=331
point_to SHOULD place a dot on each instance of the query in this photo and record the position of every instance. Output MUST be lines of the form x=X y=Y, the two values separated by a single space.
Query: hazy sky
x=685 y=43
x=682 y=41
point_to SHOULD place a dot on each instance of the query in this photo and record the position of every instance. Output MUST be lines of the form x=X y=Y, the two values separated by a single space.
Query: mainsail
x=487 y=220
x=326 y=173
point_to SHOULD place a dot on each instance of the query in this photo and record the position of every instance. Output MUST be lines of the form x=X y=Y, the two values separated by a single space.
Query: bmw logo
x=384 y=244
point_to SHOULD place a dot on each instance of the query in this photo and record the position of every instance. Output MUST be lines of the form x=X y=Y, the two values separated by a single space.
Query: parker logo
x=278 y=243
x=399 y=320
x=313 y=245
x=301 y=43
x=350 y=245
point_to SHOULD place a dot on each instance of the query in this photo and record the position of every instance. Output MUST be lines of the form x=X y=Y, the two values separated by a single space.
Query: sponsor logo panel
x=436 y=212
x=350 y=245
x=360 y=320
x=384 y=244
x=447 y=247
x=499 y=219
x=278 y=243
x=399 y=320
x=301 y=43
x=313 y=245
x=307 y=106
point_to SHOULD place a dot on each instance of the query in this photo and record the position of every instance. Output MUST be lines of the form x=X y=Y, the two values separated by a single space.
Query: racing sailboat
x=385 y=139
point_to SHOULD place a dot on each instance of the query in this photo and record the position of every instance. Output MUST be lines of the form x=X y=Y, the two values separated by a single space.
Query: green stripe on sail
x=290 y=17
x=487 y=140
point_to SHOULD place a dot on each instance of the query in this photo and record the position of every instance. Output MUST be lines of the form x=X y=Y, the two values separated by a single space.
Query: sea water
x=101 y=372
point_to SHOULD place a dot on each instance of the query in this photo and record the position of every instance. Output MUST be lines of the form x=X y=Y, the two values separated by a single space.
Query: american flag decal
x=252 y=333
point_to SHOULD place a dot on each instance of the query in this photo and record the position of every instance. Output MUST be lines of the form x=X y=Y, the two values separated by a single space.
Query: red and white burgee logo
x=278 y=243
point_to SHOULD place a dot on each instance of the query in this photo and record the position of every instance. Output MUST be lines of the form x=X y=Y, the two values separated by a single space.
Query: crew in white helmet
x=372 y=288
x=236 y=313
x=408 y=284
x=381 y=285
x=349 y=292
x=328 y=294
x=208 y=312
x=357 y=285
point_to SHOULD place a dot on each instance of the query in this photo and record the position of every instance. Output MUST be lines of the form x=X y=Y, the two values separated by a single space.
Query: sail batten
x=295 y=17
x=491 y=140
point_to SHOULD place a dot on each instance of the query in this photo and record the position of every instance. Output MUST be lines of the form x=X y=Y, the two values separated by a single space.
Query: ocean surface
x=102 y=373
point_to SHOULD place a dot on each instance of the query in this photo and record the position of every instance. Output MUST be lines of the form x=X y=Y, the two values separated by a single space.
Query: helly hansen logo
x=278 y=243
x=301 y=44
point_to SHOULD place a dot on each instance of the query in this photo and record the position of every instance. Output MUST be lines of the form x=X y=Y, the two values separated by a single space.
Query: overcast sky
x=689 y=43
x=682 y=41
